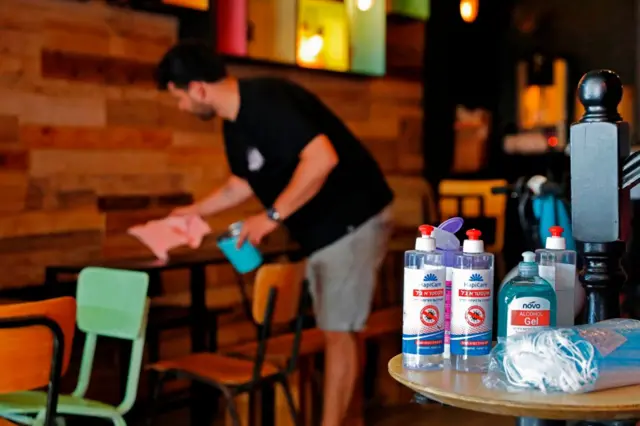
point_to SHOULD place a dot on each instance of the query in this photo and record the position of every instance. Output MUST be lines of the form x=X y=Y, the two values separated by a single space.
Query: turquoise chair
x=111 y=303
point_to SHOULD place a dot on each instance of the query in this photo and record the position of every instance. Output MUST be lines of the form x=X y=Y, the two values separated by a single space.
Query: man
x=313 y=176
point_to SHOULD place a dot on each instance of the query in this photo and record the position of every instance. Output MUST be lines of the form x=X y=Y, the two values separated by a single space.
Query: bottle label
x=471 y=311
x=423 y=311
x=447 y=306
x=528 y=313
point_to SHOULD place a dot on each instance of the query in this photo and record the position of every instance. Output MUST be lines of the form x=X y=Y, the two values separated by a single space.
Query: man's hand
x=255 y=228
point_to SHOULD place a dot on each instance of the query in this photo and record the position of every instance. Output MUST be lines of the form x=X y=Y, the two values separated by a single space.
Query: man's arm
x=317 y=160
x=235 y=191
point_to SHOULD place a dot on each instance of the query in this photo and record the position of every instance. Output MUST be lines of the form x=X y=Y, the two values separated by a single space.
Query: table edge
x=568 y=412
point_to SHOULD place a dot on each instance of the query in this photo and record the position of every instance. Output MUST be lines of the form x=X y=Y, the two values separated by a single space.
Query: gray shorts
x=342 y=275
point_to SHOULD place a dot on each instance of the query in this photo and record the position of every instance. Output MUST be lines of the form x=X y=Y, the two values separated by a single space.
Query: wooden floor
x=404 y=415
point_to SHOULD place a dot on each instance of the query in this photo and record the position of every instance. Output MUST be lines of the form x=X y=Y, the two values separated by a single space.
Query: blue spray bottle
x=423 y=305
x=472 y=305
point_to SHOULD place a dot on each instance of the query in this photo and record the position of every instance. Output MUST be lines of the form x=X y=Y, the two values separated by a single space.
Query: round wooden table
x=465 y=390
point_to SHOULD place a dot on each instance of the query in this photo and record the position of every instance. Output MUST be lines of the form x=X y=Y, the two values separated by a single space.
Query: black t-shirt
x=276 y=120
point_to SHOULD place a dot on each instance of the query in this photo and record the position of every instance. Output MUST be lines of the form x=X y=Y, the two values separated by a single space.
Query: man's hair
x=189 y=61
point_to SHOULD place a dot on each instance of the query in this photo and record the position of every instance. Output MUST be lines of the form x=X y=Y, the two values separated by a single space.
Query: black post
x=600 y=207
x=600 y=199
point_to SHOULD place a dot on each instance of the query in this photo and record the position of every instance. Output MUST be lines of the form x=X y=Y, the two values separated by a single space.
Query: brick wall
x=88 y=147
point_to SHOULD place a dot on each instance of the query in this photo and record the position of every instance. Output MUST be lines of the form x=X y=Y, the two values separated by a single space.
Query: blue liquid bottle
x=527 y=302
x=423 y=305
x=472 y=305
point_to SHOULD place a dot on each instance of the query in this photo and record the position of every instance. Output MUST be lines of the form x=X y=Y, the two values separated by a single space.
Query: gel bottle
x=527 y=302
x=471 y=305
x=423 y=305
x=558 y=267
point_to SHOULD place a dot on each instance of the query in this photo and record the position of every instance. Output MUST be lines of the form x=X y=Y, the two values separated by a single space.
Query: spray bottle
x=449 y=245
x=527 y=302
x=558 y=267
x=472 y=305
x=423 y=304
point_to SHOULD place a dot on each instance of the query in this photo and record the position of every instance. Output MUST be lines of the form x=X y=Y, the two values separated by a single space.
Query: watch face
x=273 y=214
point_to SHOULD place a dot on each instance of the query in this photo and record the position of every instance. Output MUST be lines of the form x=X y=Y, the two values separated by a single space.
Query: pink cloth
x=162 y=235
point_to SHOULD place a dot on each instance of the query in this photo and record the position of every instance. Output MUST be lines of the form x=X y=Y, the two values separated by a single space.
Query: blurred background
x=460 y=101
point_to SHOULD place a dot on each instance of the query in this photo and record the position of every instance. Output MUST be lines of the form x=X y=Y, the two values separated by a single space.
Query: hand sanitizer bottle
x=472 y=305
x=527 y=302
x=557 y=265
x=423 y=305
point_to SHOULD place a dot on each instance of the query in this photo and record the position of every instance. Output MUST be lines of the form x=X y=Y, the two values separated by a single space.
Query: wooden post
x=600 y=203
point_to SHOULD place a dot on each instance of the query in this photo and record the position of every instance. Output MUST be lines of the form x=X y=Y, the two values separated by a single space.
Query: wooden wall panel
x=89 y=147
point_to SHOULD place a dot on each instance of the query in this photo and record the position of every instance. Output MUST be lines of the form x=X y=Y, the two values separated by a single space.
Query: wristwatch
x=273 y=214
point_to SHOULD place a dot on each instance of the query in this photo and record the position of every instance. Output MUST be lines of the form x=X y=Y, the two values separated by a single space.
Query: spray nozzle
x=528 y=256
x=556 y=231
x=474 y=234
x=425 y=230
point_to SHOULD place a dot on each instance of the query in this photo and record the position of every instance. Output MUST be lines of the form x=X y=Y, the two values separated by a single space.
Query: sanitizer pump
x=423 y=304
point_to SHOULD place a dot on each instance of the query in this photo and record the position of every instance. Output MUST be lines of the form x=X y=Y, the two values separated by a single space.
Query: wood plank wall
x=88 y=147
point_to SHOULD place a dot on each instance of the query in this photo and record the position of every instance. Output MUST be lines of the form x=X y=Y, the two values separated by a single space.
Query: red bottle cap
x=556 y=231
x=474 y=234
x=425 y=230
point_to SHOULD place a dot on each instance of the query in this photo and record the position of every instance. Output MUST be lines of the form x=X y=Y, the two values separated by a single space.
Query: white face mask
x=550 y=361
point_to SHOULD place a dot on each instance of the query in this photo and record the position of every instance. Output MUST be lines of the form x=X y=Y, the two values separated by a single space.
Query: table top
x=186 y=260
x=465 y=390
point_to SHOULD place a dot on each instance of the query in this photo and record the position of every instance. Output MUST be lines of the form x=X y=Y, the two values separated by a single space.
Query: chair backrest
x=278 y=298
x=472 y=199
x=112 y=302
x=26 y=352
x=287 y=281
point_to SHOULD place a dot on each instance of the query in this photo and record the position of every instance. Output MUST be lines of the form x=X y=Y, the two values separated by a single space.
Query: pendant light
x=469 y=10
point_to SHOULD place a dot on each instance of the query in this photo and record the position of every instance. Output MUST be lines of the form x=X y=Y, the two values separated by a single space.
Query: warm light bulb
x=365 y=5
x=468 y=10
x=310 y=48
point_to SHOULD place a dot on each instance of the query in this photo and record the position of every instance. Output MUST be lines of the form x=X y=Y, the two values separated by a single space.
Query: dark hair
x=189 y=61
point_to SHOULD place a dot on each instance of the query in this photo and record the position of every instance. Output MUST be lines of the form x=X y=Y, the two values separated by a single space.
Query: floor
x=406 y=415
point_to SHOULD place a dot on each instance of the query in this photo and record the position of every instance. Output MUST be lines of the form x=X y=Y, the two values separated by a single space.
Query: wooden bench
x=381 y=322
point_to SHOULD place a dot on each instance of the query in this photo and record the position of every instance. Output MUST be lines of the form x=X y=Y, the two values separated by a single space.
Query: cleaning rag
x=162 y=235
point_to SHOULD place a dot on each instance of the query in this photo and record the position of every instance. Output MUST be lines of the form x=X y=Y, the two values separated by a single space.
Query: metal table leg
x=204 y=401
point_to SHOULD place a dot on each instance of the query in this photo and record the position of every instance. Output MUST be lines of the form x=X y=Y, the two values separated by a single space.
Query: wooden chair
x=35 y=352
x=277 y=299
x=473 y=200
x=480 y=208
x=111 y=303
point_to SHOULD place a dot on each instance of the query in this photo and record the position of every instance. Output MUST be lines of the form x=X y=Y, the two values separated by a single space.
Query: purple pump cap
x=452 y=225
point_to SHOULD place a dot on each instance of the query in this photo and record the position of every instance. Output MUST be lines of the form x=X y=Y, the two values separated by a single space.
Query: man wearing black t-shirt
x=312 y=175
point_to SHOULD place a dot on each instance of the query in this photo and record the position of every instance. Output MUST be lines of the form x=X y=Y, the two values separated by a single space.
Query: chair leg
x=231 y=408
x=292 y=406
x=155 y=396
x=118 y=421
